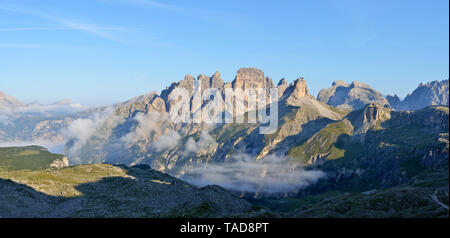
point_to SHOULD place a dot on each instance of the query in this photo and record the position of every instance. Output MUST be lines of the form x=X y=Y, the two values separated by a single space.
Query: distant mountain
x=8 y=101
x=432 y=93
x=352 y=96
x=36 y=123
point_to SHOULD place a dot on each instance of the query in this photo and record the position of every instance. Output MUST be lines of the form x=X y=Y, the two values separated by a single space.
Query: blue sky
x=106 y=51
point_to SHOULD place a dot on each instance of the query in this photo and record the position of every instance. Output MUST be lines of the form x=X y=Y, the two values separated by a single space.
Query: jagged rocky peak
x=429 y=94
x=282 y=86
x=301 y=90
x=297 y=89
x=187 y=82
x=282 y=82
x=251 y=78
x=352 y=96
x=217 y=75
x=394 y=101
x=215 y=81
x=144 y=103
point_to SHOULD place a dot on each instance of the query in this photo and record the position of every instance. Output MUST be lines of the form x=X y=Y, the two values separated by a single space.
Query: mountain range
x=431 y=93
x=348 y=143
x=27 y=123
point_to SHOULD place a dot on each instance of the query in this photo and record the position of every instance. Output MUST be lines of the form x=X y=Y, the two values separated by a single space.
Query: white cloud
x=167 y=141
x=147 y=124
x=9 y=113
x=272 y=174
x=82 y=130
x=205 y=141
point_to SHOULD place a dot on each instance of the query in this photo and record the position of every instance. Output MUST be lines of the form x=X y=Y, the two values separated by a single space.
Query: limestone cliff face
x=251 y=78
x=429 y=94
x=296 y=91
x=351 y=96
x=145 y=103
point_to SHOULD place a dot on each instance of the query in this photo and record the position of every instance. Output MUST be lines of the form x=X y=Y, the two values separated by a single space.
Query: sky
x=98 y=52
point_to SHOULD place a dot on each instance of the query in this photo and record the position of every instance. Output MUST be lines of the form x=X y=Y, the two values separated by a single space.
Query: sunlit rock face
x=350 y=96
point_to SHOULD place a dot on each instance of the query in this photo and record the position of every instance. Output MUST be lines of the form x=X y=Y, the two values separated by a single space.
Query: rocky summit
x=350 y=96
x=429 y=94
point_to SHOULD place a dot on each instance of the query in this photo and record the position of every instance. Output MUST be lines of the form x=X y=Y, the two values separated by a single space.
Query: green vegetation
x=29 y=158
x=103 y=190
x=63 y=182
x=332 y=142
x=230 y=131
x=398 y=202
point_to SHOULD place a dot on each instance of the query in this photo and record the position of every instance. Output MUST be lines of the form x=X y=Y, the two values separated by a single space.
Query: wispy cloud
x=56 y=29
x=95 y=30
x=30 y=46
x=148 y=3
x=207 y=15
x=272 y=174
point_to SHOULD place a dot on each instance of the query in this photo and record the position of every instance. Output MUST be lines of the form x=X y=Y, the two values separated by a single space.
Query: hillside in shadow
x=143 y=192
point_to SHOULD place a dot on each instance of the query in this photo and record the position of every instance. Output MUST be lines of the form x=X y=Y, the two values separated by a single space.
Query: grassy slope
x=332 y=142
x=29 y=157
x=63 y=182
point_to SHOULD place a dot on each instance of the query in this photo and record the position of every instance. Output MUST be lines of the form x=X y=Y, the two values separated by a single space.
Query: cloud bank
x=272 y=174
x=83 y=129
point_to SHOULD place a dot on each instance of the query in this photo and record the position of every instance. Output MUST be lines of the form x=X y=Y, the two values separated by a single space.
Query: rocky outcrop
x=429 y=94
x=282 y=86
x=253 y=79
x=350 y=96
x=296 y=91
x=370 y=117
x=60 y=163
